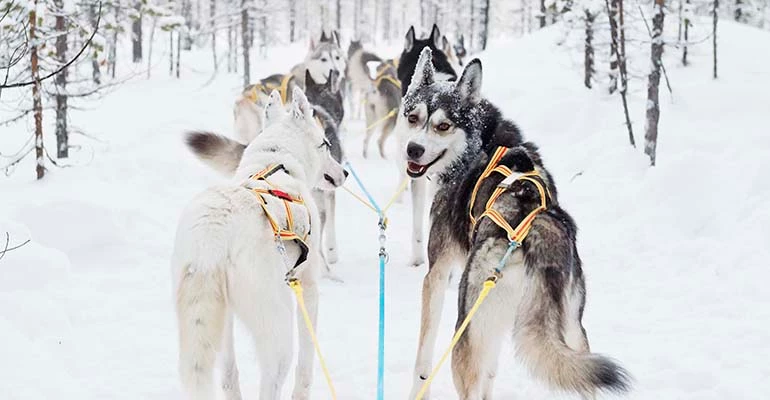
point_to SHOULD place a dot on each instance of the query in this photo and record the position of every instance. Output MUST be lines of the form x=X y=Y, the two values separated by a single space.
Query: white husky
x=226 y=261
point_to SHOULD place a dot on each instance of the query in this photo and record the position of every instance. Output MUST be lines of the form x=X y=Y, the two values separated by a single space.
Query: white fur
x=226 y=263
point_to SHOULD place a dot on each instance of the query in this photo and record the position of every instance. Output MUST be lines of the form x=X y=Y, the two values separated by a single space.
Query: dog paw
x=328 y=274
x=417 y=261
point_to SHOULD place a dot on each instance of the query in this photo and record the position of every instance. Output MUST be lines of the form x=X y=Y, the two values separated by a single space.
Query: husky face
x=326 y=95
x=325 y=56
x=413 y=47
x=435 y=116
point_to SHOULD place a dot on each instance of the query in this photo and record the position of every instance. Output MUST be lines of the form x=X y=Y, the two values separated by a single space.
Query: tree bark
x=96 y=71
x=213 y=27
x=714 y=35
x=150 y=45
x=686 y=33
x=293 y=20
x=245 y=42
x=624 y=71
x=62 y=135
x=136 y=36
x=542 y=14
x=171 y=53
x=612 y=13
x=588 y=71
x=386 y=20
x=739 y=10
x=178 y=51
x=338 y=10
x=37 y=103
x=653 y=83
x=485 y=24
x=114 y=46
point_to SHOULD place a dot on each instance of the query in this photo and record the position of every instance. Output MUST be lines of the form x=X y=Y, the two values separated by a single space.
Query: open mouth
x=415 y=170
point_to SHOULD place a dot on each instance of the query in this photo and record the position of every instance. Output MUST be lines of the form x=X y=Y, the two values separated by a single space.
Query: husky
x=540 y=295
x=382 y=101
x=224 y=155
x=329 y=111
x=226 y=261
x=407 y=62
x=460 y=51
x=358 y=76
x=322 y=58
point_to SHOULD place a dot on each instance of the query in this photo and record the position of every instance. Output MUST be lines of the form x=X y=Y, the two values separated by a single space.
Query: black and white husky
x=540 y=297
x=324 y=56
x=226 y=261
x=443 y=71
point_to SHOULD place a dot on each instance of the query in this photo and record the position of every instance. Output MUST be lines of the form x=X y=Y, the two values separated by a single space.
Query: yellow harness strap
x=266 y=88
x=522 y=229
x=389 y=78
x=390 y=114
x=281 y=234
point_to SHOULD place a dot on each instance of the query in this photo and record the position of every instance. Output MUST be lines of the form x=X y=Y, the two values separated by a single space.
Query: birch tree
x=653 y=82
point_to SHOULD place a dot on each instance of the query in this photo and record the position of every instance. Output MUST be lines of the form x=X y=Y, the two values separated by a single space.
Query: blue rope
x=383 y=260
x=511 y=247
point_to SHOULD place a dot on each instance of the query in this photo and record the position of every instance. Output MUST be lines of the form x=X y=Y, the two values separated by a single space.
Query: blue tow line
x=383 y=260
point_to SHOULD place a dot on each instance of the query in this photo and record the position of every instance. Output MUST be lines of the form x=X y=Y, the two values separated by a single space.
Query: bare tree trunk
x=338 y=10
x=62 y=136
x=356 y=18
x=136 y=37
x=263 y=33
x=114 y=45
x=213 y=26
x=686 y=33
x=714 y=35
x=624 y=71
x=681 y=18
x=739 y=11
x=386 y=20
x=96 y=71
x=245 y=42
x=293 y=20
x=653 y=83
x=589 y=49
x=178 y=50
x=542 y=14
x=472 y=28
x=612 y=12
x=37 y=103
x=484 y=23
x=230 y=47
x=150 y=45
x=171 y=53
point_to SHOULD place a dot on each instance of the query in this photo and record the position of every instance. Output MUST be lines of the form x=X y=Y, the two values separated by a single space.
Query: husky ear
x=435 y=37
x=300 y=107
x=469 y=84
x=324 y=38
x=423 y=73
x=336 y=37
x=273 y=107
x=445 y=45
x=409 y=42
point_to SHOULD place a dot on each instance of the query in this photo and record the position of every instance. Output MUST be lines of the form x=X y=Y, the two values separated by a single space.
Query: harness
x=515 y=235
x=280 y=234
x=382 y=74
x=268 y=87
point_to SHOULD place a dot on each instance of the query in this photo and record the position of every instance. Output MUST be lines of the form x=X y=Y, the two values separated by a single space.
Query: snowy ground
x=675 y=256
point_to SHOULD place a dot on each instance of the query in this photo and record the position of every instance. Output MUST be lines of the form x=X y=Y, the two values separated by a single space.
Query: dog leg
x=274 y=347
x=433 y=289
x=201 y=313
x=371 y=117
x=387 y=129
x=418 y=212
x=304 y=373
x=475 y=358
x=330 y=227
x=230 y=382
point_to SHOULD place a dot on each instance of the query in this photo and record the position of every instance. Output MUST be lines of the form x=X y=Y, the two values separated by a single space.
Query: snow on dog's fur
x=226 y=264
x=539 y=299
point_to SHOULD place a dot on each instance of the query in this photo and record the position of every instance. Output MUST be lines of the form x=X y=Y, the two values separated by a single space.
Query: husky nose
x=414 y=150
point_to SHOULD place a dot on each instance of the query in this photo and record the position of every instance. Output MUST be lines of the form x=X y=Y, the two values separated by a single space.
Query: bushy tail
x=540 y=343
x=200 y=306
x=218 y=152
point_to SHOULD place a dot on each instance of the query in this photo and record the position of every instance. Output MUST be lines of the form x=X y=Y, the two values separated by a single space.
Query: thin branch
x=60 y=69
x=7 y=249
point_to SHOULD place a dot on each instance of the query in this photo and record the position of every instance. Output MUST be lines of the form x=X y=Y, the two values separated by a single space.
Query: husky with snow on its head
x=540 y=292
x=322 y=59
x=226 y=262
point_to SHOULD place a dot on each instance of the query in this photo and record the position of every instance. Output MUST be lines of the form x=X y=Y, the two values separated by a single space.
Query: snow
x=675 y=256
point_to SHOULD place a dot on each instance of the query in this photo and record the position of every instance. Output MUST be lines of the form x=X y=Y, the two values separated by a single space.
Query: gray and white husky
x=539 y=298
x=358 y=76
x=226 y=263
x=224 y=154
x=322 y=58
x=443 y=71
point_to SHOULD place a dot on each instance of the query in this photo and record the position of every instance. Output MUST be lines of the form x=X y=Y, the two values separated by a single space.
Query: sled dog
x=358 y=76
x=455 y=134
x=226 y=261
x=382 y=101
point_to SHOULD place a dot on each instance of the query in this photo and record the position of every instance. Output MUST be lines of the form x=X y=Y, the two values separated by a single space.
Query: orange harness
x=281 y=234
x=268 y=87
x=515 y=235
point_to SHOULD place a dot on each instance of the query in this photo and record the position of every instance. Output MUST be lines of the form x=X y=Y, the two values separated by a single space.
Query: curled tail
x=539 y=337
x=218 y=152
x=200 y=307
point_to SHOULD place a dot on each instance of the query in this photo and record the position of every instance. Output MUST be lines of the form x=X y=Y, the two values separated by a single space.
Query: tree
x=36 y=98
x=484 y=23
x=618 y=61
x=62 y=136
x=588 y=70
x=714 y=34
x=686 y=30
x=136 y=32
x=612 y=13
x=653 y=82
x=213 y=27
x=245 y=41
x=541 y=17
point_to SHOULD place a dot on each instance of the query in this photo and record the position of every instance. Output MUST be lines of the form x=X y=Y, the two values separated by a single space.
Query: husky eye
x=324 y=59
x=412 y=118
x=337 y=58
x=443 y=127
